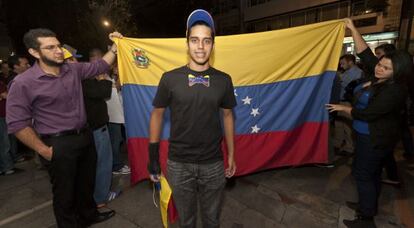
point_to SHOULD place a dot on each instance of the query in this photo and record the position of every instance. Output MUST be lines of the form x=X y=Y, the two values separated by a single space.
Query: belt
x=64 y=133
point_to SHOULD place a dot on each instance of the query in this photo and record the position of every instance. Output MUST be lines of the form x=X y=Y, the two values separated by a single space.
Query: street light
x=106 y=23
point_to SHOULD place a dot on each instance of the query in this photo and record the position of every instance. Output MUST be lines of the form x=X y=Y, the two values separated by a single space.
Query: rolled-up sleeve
x=18 y=108
x=89 y=70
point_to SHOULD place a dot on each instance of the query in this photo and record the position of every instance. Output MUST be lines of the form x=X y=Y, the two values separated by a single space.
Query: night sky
x=76 y=24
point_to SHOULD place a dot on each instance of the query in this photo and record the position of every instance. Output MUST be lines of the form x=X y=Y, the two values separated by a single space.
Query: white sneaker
x=9 y=172
x=124 y=170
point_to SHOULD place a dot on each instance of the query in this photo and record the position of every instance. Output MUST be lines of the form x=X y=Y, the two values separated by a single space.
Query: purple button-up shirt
x=48 y=103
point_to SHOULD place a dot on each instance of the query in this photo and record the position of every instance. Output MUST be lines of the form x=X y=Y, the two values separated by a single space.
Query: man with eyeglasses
x=45 y=110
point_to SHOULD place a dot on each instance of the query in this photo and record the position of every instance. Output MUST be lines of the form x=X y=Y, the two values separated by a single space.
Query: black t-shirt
x=196 y=131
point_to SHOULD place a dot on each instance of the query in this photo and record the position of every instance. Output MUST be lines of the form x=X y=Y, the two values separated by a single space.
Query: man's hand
x=155 y=178
x=115 y=35
x=349 y=24
x=231 y=169
x=47 y=153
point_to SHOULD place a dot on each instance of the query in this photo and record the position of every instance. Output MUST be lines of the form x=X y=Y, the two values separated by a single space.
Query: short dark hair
x=387 y=48
x=96 y=51
x=199 y=23
x=30 y=38
x=14 y=60
x=348 y=57
x=402 y=65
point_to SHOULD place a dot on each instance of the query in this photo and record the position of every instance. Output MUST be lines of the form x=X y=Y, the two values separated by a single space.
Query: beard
x=50 y=62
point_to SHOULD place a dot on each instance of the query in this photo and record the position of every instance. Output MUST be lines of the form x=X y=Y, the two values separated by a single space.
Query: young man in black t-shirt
x=197 y=95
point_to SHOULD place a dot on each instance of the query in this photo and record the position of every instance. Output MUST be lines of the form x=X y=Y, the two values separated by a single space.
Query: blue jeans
x=366 y=169
x=115 y=133
x=103 y=164
x=190 y=181
x=6 y=161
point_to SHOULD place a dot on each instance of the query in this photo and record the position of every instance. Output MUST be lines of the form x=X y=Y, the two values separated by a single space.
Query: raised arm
x=360 y=43
x=110 y=56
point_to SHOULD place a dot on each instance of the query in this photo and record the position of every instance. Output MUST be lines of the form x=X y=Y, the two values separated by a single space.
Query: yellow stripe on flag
x=250 y=59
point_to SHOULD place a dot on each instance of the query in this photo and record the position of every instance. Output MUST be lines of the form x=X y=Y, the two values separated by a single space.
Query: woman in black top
x=376 y=115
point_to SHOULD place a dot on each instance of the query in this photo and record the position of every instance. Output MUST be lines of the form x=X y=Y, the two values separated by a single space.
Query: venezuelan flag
x=282 y=81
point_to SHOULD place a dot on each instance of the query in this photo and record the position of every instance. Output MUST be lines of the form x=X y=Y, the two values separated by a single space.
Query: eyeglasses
x=52 y=47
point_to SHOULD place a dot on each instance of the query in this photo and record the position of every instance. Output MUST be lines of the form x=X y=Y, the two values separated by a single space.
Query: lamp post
x=106 y=23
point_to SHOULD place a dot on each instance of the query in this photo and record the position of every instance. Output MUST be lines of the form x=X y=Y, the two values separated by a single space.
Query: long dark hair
x=402 y=65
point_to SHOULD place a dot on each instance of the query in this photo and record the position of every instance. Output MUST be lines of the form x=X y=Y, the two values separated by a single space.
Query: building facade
x=380 y=21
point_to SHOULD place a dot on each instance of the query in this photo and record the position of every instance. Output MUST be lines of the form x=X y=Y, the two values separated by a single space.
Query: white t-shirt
x=115 y=109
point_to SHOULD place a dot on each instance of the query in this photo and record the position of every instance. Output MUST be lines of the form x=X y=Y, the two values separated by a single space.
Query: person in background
x=115 y=125
x=6 y=161
x=96 y=91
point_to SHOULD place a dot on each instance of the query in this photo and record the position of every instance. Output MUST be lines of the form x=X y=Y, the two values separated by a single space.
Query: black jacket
x=95 y=93
x=383 y=112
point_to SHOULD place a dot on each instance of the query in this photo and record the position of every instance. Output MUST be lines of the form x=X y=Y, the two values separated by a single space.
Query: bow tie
x=204 y=80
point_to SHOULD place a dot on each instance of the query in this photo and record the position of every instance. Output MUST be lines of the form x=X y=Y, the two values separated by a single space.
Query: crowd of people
x=70 y=114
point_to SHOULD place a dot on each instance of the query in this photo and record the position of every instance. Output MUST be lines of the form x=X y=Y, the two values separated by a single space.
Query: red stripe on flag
x=253 y=152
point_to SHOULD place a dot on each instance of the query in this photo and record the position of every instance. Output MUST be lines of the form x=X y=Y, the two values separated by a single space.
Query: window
x=343 y=9
x=358 y=7
x=312 y=16
x=329 y=12
x=256 y=2
x=298 y=19
x=366 y=22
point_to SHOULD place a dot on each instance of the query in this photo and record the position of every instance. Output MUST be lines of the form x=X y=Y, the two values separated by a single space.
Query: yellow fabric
x=250 y=59
x=165 y=196
x=66 y=53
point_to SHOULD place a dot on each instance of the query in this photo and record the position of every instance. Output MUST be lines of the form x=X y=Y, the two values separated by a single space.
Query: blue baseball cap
x=72 y=51
x=201 y=15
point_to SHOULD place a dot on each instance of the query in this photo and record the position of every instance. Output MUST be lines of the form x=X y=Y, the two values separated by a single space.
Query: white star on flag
x=255 y=112
x=235 y=93
x=255 y=129
x=246 y=100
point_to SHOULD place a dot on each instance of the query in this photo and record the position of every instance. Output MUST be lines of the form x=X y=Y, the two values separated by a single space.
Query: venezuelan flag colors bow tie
x=204 y=80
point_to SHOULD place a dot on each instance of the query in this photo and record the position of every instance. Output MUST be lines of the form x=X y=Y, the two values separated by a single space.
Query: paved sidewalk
x=289 y=197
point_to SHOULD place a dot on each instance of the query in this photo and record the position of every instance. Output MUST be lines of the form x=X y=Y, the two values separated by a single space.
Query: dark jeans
x=197 y=182
x=367 y=167
x=72 y=174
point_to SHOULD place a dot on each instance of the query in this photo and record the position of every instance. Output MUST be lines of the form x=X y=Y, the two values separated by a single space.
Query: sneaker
x=360 y=222
x=394 y=183
x=326 y=165
x=21 y=159
x=113 y=194
x=9 y=172
x=124 y=170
